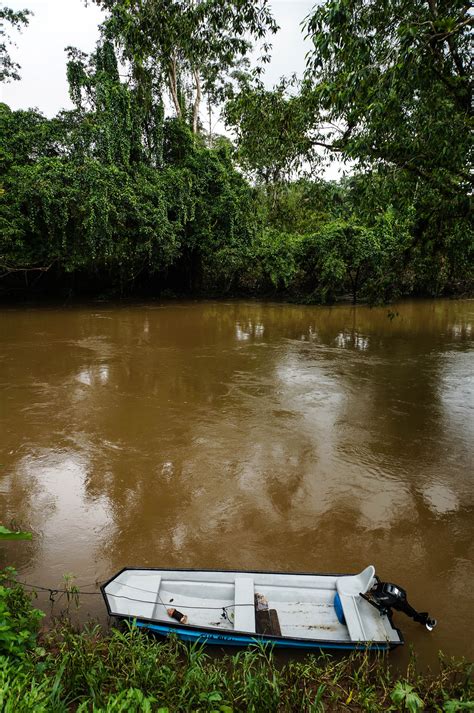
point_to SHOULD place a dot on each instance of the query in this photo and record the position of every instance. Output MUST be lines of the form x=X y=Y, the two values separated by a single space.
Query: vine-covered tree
x=122 y=128
x=112 y=190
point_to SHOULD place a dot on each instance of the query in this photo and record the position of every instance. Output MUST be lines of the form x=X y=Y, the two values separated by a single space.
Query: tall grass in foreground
x=130 y=671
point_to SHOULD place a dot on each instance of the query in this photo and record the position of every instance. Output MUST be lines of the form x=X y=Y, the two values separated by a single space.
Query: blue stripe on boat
x=221 y=639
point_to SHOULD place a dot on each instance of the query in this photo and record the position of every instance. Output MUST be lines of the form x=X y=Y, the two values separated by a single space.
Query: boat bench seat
x=244 y=616
x=349 y=589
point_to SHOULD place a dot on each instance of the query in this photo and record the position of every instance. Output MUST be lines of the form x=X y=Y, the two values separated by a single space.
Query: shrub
x=19 y=620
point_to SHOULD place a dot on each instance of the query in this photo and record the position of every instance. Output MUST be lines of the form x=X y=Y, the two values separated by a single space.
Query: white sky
x=57 y=24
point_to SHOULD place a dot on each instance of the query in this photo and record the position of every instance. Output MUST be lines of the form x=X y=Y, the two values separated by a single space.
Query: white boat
x=286 y=610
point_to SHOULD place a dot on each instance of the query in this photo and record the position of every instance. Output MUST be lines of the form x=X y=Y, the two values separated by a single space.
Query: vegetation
x=16 y=19
x=394 y=82
x=130 y=191
x=6 y=534
x=19 y=621
x=127 y=670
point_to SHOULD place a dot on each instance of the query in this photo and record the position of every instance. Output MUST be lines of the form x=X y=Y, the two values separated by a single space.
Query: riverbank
x=65 y=669
x=42 y=294
x=128 y=671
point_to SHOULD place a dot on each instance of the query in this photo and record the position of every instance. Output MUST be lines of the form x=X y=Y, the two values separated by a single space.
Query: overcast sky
x=57 y=24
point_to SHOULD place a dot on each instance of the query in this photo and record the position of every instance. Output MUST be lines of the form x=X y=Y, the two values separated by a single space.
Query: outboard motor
x=385 y=596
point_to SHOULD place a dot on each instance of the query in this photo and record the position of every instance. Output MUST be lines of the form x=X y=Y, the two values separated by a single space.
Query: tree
x=120 y=196
x=80 y=191
x=395 y=79
x=343 y=252
x=117 y=123
x=271 y=128
x=190 y=44
x=111 y=191
x=17 y=19
x=217 y=220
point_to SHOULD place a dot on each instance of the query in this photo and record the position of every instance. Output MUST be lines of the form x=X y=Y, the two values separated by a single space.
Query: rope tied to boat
x=53 y=592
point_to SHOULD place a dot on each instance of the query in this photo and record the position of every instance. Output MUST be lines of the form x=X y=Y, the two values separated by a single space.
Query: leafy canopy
x=270 y=128
x=395 y=77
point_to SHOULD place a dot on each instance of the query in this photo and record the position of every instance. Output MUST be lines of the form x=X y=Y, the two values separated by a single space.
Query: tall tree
x=120 y=122
x=192 y=43
x=395 y=76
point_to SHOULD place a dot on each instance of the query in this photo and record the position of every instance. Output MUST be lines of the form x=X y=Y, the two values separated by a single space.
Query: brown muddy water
x=245 y=435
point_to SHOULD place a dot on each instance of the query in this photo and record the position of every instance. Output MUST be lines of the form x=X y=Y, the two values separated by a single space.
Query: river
x=245 y=435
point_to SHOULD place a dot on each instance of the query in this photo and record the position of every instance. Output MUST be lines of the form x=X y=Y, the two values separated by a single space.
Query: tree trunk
x=173 y=84
x=354 y=285
x=209 y=109
x=197 y=101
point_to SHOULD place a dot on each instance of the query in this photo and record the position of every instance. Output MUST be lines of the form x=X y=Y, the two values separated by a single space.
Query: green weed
x=19 y=620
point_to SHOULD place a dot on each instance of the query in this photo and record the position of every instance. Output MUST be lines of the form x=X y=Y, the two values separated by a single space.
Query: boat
x=238 y=608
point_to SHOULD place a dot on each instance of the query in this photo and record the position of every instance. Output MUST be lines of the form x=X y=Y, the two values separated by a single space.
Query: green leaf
x=413 y=702
x=215 y=696
x=404 y=693
x=6 y=534
x=452 y=706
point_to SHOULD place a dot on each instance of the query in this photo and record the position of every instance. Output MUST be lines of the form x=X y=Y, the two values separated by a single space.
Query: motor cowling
x=386 y=596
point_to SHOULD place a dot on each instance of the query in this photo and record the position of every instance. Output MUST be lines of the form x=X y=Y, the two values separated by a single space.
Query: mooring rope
x=53 y=591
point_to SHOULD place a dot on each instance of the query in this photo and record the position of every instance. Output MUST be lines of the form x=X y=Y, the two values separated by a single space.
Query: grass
x=127 y=670
x=92 y=670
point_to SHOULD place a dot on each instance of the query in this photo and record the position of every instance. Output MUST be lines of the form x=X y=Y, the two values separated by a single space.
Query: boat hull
x=241 y=640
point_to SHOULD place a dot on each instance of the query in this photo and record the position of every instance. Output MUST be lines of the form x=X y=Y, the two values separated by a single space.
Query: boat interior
x=302 y=605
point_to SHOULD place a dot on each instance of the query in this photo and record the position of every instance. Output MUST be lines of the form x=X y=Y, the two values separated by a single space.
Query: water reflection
x=244 y=332
x=97 y=376
x=244 y=435
x=352 y=340
x=441 y=499
x=57 y=506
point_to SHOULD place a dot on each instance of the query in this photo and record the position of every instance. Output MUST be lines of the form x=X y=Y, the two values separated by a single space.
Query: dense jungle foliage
x=130 y=191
